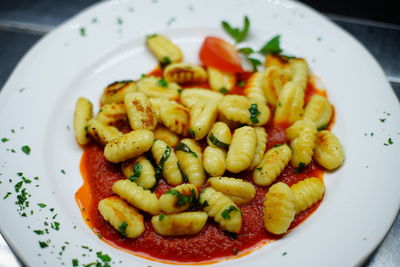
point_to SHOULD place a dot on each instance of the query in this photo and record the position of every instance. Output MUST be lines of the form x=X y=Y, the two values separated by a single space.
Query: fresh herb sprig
x=239 y=35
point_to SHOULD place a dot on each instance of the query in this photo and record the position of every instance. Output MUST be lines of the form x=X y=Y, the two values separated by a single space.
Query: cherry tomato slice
x=219 y=54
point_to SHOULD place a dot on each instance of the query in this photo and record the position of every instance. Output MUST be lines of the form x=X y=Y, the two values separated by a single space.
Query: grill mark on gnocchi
x=137 y=196
x=185 y=73
x=180 y=224
x=140 y=112
x=102 y=133
x=218 y=206
x=128 y=146
x=240 y=191
x=112 y=113
x=116 y=92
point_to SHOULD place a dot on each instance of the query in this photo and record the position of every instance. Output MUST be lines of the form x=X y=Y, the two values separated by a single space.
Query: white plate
x=37 y=101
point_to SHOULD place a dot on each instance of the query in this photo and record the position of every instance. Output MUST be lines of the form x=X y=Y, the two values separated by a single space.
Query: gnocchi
x=242 y=149
x=184 y=73
x=240 y=191
x=307 y=192
x=219 y=135
x=83 y=113
x=214 y=161
x=141 y=171
x=220 y=81
x=179 y=224
x=163 y=49
x=116 y=92
x=318 y=109
x=328 y=151
x=179 y=199
x=190 y=159
x=158 y=88
x=101 y=132
x=222 y=209
x=203 y=116
x=140 y=112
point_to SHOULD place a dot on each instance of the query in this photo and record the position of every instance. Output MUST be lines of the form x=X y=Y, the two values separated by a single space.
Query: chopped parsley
x=122 y=228
x=55 y=226
x=284 y=253
x=43 y=244
x=42 y=205
x=382 y=120
x=63 y=172
x=184 y=176
x=254 y=112
x=26 y=149
x=322 y=127
x=120 y=21
x=389 y=142
x=82 y=31
x=204 y=204
x=161 y=217
x=223 y=90
x=185 y=148
x=38 y=232
x=259 y=169
x=75 y=262
x=255 y=63
x=4 y=140
x=163 y=83
x=163 y=159
x=217 y=142
x=165 y=61
x=137 y=171
x=236 y=33
x=300 y=167
x=103 y=257
x=182 y=199
x=241 y=83
x=226 y=214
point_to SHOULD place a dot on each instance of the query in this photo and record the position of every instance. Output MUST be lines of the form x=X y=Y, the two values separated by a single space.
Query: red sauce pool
x=211 y=244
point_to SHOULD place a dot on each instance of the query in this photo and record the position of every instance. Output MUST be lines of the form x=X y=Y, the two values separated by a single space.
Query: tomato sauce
x=211 y=244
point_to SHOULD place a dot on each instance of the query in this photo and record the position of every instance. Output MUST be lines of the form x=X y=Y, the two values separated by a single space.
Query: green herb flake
x=259 y=169
x=4 y=140
x=300 y=167
x=26 y=149
x=165 y=61
x=382 y=120
x=42 y=205
x=204 y=204
x=103 y=257
x=43 y=244
x=38 y=232
x=163 y=159
x=122 y=228
x=272 y=46
x=192 y=133
x=217 y=142
x=182 y=199
x=163 y=83
x=284 y=253
x=13 y=151
x=120 y=21
x=94 y=20
x=75 y=262
x=246 y=50
x=223 y=90
x=18 y=186
x=239 y=35
x=82 y=31
x=137 y=171
x=21 y=89
x=55 y=226
x=63 y=172
x=241 y=83
x=20 y=173
x=7 y=195
x=99 y=235
x=185 y=148
x=161 y=217
x=322 y=127
x=179 y=91
x=254 y=113
x=390 y=141
x=226 y=214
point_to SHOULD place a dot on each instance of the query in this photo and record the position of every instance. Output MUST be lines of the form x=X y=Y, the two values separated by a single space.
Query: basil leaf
x=182 y=199
x=254 y=63
x=236 y=33
x=300 y=167
x=184 y=176
x=254 y=113
x=137 y=171
x=216 y=142
x=246 y=50
x=323 y=127
x=163 y=83
x=272 y=46
x=185 y=148
x=226 y=214
x=163 y=159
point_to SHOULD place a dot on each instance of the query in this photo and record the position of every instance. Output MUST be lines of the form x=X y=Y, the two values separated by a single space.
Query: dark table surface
x=375 y=24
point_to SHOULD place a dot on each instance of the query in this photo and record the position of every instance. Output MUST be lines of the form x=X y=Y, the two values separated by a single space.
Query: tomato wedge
x=219 y=54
